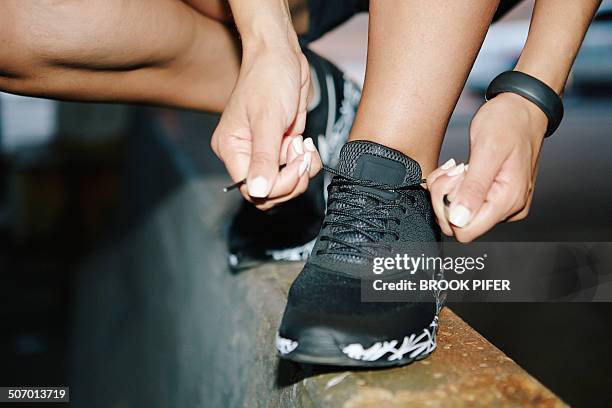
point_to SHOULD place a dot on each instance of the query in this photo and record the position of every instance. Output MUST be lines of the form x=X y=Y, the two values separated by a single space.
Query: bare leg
x=153 y=51
x=419 y=56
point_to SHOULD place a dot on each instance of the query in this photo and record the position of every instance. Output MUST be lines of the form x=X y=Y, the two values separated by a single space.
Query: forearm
x=555 y=36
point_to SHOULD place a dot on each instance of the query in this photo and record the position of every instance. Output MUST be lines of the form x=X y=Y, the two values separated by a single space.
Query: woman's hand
x=261 y=126
x=505 y=140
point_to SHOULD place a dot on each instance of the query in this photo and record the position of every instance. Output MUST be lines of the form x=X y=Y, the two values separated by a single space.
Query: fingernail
x=297 y=145
x=309 y=145
x=258 y=187
x=309 y=161
x=457 y=170
x=467 y=166
x=450 y=163
x=459 y=216
x=305 y=165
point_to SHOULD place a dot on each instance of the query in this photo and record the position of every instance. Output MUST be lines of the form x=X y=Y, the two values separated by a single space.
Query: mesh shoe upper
x=375 y=207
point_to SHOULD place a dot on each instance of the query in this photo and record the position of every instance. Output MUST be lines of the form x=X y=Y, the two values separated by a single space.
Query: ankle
x=427 y=157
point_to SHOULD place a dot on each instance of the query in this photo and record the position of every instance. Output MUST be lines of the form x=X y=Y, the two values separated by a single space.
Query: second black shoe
x=291 y=228
x=376 y=207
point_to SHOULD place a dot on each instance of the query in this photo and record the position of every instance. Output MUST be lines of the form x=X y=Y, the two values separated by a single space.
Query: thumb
x=472 y=192
x=267 y=131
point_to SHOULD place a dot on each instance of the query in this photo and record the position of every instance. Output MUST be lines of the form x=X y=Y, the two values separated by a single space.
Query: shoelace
x=354 y=216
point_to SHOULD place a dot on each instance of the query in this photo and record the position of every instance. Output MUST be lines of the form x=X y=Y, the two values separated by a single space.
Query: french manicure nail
x=450 y=163
x=309 y=145
x=459 y=216
x=297 y=145
x=309 y=162
x=457 y=170
x=258 y=187
x=305 y=165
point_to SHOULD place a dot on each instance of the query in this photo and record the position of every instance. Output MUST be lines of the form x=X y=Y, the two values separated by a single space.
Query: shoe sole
x=387 y=353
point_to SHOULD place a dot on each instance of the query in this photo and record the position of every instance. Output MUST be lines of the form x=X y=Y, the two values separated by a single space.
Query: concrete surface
x=162 y=323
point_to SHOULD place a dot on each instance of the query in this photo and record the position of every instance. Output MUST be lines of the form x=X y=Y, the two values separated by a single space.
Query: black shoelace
x=349 y=213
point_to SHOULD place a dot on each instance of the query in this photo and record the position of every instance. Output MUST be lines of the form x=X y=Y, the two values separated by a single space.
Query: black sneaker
x=291 y=228
x=376 y=207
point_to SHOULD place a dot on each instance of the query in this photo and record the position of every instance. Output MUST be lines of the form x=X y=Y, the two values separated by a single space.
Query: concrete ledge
x=163 y=323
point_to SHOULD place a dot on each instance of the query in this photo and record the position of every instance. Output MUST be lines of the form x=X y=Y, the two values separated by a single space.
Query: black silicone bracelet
x=533 y=90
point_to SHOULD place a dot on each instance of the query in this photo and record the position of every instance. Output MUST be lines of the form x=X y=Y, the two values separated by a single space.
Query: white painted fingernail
x=457 y=170
x=258 y=187
x=450 y=163
x=467 y=166
x=309 y=145
x=305 y=165
x=297 y=145
x=309 y=161
x=459 y=215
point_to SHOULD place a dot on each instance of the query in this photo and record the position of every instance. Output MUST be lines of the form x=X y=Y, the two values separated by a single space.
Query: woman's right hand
x=261 y=127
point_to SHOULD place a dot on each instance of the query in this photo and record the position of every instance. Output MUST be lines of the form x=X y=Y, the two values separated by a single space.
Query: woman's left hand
x=505 y=140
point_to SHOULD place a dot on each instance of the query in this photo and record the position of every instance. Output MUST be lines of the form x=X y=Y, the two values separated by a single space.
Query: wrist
x=533 y=116
x=533 y=90
x=269 y=26
x=544 y=71
x=279 y=41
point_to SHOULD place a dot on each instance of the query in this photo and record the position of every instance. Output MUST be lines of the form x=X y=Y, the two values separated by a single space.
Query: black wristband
x=533 y=90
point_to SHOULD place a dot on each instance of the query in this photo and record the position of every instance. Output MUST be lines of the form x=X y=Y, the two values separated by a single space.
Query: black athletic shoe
x=291 y=228
x=376 y=207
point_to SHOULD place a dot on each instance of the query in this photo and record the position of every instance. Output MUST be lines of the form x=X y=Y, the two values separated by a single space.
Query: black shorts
x=325 y=15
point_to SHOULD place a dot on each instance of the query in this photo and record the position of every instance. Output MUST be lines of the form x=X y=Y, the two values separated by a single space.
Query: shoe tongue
x=371 y=161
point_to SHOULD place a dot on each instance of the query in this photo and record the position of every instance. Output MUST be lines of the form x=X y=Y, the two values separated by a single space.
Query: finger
x=285 y=150
x=503 y=200
x=316 y=164
x=445 y=185
x=431 y=178
x=491 y=213
x=301 y=187
x=289 y=177
x=293 y=148
x=296 y=148
x=267 y=131
x=485 y=164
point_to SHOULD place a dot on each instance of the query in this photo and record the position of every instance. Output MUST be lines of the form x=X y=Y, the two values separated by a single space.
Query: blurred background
x=73 y=175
